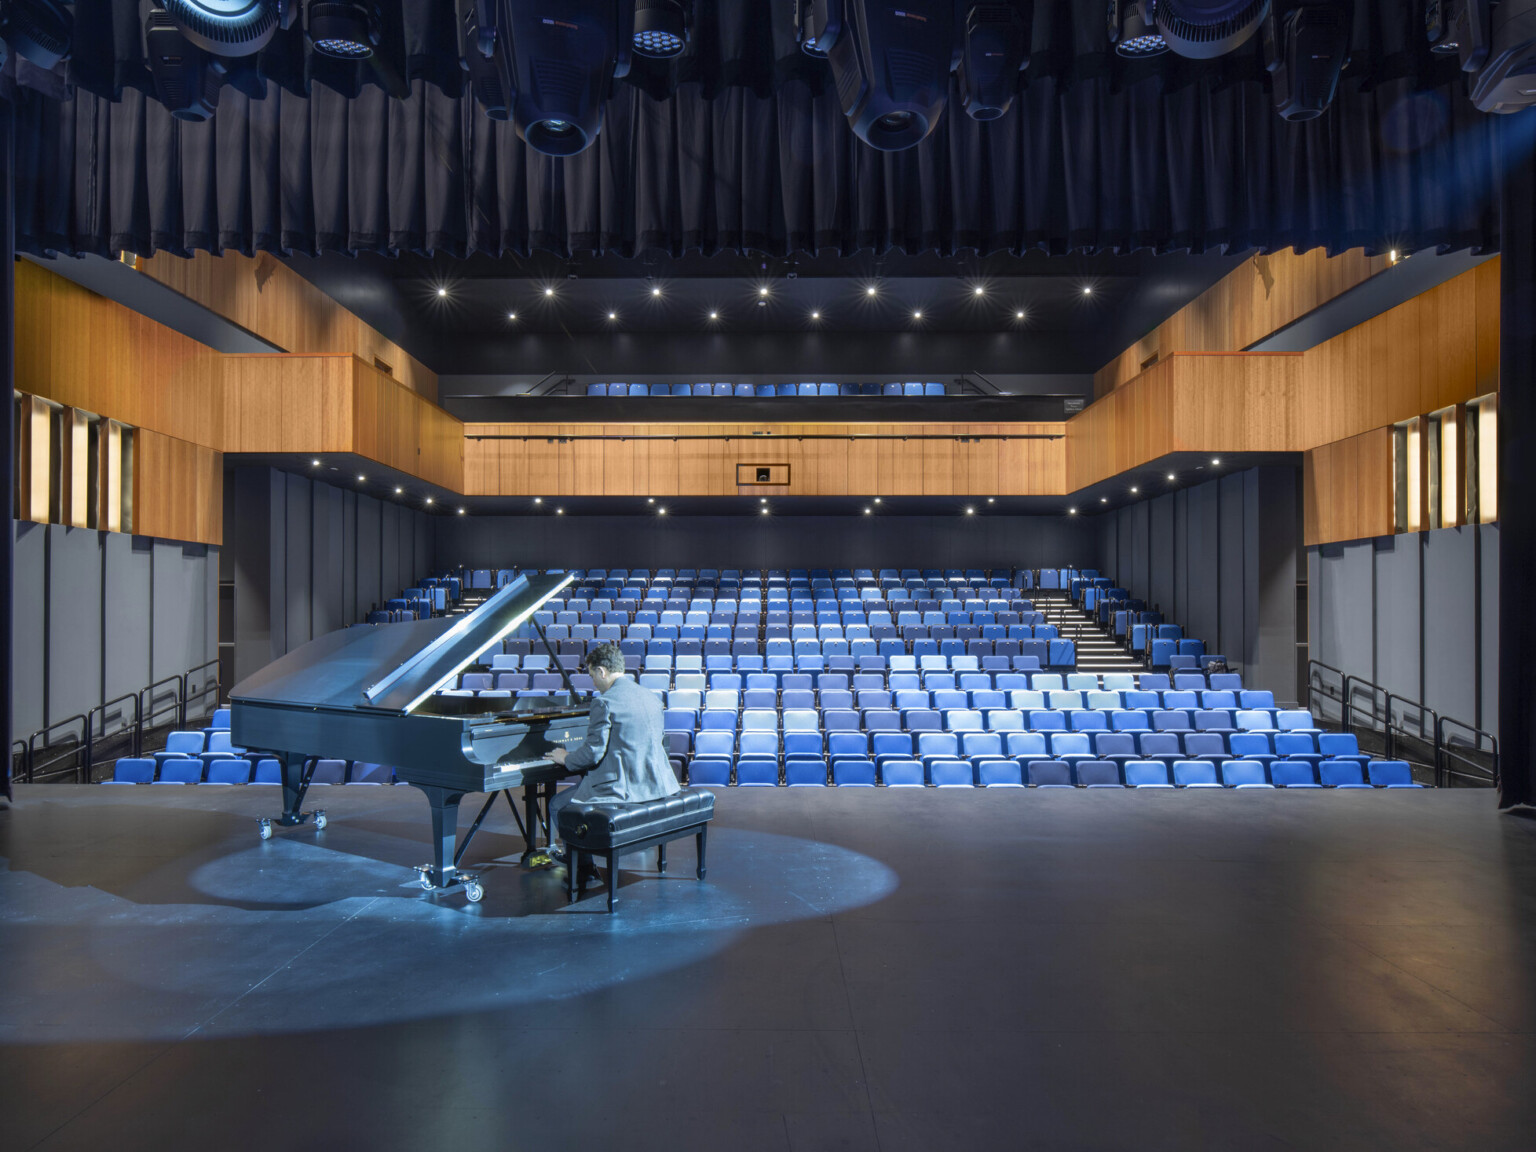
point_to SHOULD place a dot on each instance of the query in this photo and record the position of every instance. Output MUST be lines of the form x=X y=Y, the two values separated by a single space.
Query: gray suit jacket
x=623 y=749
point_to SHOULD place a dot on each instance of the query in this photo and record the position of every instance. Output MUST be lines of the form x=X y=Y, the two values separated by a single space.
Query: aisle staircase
x=1096 y=649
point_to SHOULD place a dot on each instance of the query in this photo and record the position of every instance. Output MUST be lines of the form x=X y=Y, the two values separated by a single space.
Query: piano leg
x=445 y=832
x=531 y=824
x=297 y=770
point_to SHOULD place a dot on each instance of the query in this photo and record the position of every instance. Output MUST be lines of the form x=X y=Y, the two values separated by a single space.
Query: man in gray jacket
x=623 y=758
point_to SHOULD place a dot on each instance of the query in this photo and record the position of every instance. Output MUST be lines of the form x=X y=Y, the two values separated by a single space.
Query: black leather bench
x=612 y=830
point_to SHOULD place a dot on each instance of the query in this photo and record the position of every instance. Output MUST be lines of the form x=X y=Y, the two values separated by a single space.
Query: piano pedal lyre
x=318 y=816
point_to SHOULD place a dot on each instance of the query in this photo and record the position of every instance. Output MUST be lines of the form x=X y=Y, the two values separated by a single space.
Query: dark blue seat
x=1098 y=774
x=848 y=772
x=1050 y=774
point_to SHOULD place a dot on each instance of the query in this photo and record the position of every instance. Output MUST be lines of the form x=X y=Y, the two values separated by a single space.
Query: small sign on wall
x=1072 y=405
x=753 y=475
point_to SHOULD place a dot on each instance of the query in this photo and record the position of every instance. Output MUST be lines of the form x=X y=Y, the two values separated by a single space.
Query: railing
x=1402 y=729
x=73 y=746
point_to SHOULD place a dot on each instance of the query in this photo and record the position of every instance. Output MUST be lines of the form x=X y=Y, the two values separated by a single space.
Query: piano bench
x=614 y=830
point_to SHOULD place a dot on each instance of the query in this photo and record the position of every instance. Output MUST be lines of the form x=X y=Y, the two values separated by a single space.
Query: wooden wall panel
x=283 y=403
x=85 y=351
x=1253 y=301
x=542 y=465
x=266 y=297
x=178 y=489
x=1347 y=489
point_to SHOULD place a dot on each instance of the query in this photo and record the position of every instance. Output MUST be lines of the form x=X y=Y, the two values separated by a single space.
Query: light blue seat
x=902 y=774
x=1195 y=774
x=1146 y=774
x=951 y=774
x=999 y=774
x=1244 y=774
x=133 y=770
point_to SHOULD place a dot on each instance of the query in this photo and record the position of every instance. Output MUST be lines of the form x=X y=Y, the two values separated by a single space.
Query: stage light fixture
x=1134 y=490
x=1305 y=48
x=314 y=463
x=1506 y=80
x=484 y=55
x=559 y=511
x=1171 y=476
x=990 y=500
x=564 y=59
x=538 y=499
x=763 y=291
x=979 y=290
x=970 y=511
x=764 y=511
x=39 y=31
x=1103 y=499
x=344 y=29
x=461 y=511
x=877 y=499
x=1205 y=29
x=917 y=315
x=650 y=499
x=442 y=292
x=1132 y=31
x=655 y=290
x=228 y=27
x=361 y=478
x=661 y=28
x=1457 y=28
x=662 y=511
x=1087 y=290
x=613 y=315
x=869 y=511
x=890 y=65
x=1216 y=460
x=817 y=23
x=186 y=78
x=994 y=49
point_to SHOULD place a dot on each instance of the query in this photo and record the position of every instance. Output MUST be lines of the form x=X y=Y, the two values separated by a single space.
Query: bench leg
x=576 y=862
x=613 y=882
x=573 y=866
x=703 y=829
x=661 y=857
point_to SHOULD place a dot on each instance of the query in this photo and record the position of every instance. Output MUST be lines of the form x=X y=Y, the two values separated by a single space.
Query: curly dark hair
x=608 y=656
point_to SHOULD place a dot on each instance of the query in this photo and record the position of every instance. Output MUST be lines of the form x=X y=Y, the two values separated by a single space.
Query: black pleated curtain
x=751 y=152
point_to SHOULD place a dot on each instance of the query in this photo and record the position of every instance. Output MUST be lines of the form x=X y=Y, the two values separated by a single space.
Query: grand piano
x=369 y=693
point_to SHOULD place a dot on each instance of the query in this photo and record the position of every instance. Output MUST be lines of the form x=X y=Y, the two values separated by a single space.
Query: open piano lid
x=394 y=667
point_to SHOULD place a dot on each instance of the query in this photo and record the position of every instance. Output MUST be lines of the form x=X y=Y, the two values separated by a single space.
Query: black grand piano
x=369 y=693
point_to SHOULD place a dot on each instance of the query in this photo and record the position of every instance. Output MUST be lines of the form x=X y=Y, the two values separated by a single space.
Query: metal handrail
x=186 y=677
x=89 y=736
x=151 y=712
x=1382 y=719
x=138 y=717
x=84 y=745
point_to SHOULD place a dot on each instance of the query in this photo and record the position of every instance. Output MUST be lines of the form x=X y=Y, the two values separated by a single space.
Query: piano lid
x=394 y=667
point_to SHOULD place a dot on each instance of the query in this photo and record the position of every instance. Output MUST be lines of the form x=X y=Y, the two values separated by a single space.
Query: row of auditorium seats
x=1045 y=773
x=766 y=391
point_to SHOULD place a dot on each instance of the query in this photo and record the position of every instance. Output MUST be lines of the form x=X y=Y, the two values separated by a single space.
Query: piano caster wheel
x=473 y=892
x=320 y=821
x=266 y=829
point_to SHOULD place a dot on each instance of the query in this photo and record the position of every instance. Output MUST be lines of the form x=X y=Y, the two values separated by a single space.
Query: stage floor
x=895 y=970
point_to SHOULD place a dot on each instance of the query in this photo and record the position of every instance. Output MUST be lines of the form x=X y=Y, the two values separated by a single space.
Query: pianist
x=623 y=758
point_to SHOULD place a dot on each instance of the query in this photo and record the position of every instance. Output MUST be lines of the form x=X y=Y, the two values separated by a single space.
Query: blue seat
x=848 y=772
x=268 y=771
x=1392 y=774
x=742 y=390
x=891 y=390
x=709 y=770
x=363 y=772
x=902 y=774
x=912 y=389
x=1244 y=774
x=1098 y=774
x=183 y=770
x=805 y=773
x=133 y=770
x=933 y=389
x=1050 y=774
x=597 y=389
x=1341 y=774
x=1146 y=774
x=999 y=774
x=228 y=771
x=757 y=772
x=1293 y=774
x=951 y=774
x=1195 y=774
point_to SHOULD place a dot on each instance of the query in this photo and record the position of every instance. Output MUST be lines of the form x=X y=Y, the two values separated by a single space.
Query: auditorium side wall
x=1415 y=613
x=304 y=558
x=752 y=541
x=101 y=614
x=1222 y=559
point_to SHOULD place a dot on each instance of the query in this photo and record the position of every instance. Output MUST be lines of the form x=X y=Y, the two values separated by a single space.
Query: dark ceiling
x=458 y=314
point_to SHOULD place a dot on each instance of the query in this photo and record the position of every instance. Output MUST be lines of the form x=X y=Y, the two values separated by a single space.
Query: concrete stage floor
x=895 y=970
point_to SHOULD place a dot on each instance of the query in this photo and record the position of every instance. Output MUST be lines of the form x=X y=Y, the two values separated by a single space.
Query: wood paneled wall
x=178 y=489
x=264 y=296
x=1248 y=304
x=543 y=465
x=1347 y=488
x=85 y=351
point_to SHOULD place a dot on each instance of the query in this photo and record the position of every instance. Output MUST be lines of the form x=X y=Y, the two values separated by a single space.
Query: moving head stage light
x=186 y=78
x=345 y=29
x=661 y=28
x=229 y=27
x=1205 y=29
x=1495 y=41
x=1132 y=31
x=1305 y=47
x=890 y=64
x=994 y=49
x=36 y=30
